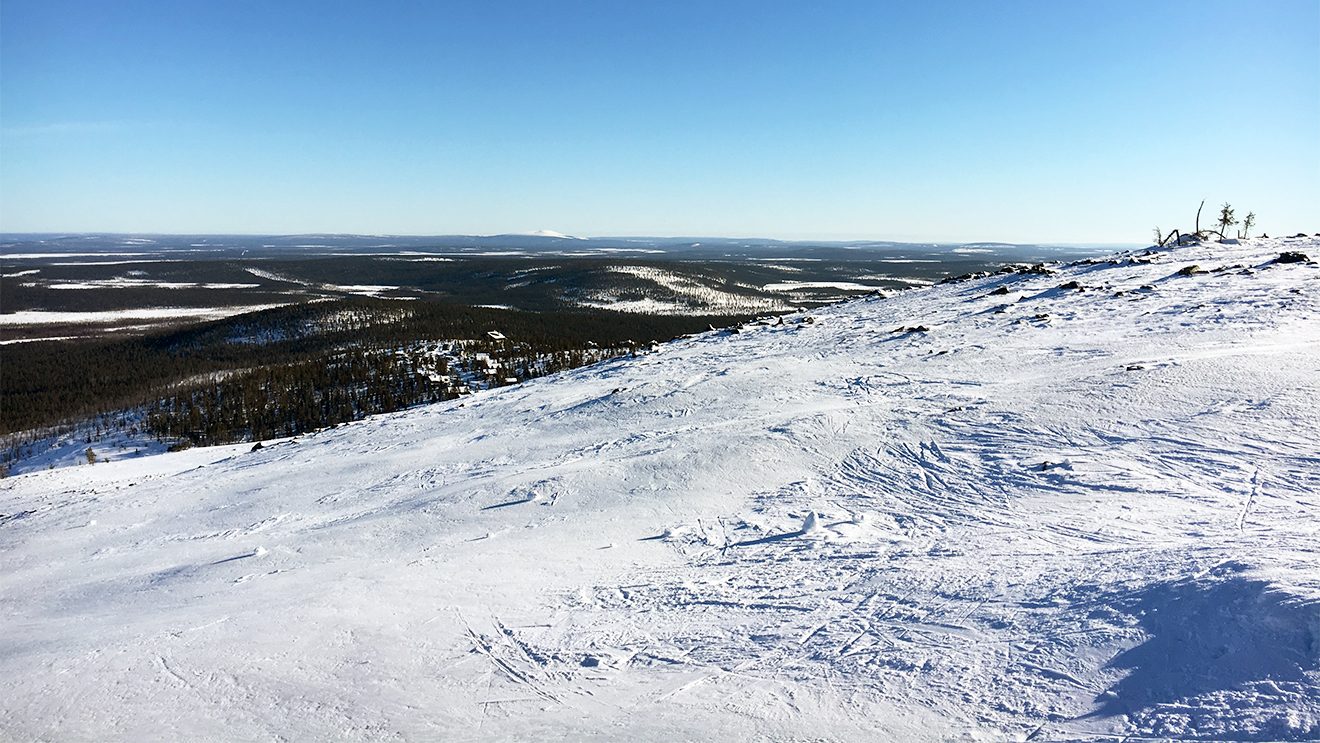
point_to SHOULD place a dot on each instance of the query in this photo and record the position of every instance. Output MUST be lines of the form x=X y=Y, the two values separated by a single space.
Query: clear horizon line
x=677 y=236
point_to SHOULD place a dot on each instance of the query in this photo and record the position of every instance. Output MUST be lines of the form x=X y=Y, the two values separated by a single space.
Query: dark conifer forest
x=292 y=369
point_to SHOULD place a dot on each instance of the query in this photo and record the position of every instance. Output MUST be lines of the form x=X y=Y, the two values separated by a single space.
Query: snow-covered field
x=1038 y=514
x=680 y=295
x=55 y=318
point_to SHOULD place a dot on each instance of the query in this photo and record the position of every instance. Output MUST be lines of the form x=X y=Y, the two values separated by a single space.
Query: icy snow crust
x=1091 y=514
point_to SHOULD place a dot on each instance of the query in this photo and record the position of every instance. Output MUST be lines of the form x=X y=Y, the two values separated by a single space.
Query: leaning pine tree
x=1248 y=222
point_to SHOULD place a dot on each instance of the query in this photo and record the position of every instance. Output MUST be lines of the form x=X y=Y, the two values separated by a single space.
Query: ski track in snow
x=1054 y=514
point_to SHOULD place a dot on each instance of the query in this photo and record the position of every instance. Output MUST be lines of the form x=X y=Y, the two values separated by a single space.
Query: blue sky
x=1065 y=121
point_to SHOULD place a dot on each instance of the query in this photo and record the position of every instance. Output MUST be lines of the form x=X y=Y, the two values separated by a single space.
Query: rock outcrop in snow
x=1078 y=503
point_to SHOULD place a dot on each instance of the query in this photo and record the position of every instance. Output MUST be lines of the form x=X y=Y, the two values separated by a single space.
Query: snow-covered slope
x=1054 y=513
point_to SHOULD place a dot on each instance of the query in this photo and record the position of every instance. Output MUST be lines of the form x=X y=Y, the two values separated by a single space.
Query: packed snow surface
x=1003 y=508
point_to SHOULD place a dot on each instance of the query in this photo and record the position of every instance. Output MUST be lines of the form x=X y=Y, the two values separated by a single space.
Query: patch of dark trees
x=292 y=369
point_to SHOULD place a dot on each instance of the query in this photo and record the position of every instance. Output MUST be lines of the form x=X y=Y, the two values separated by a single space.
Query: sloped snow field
x=1052 y=514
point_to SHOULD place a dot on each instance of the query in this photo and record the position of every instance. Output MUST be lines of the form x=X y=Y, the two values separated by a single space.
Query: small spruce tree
x=91 y=456
x=1226 y=219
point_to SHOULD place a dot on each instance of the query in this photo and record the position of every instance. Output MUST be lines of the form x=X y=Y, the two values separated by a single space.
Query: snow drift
x=1073 y=502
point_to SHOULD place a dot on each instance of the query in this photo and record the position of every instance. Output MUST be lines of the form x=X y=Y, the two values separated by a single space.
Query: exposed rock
x=1039 y=270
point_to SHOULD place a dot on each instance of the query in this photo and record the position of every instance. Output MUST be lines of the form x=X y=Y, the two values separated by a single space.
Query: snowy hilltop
x=1062 y=502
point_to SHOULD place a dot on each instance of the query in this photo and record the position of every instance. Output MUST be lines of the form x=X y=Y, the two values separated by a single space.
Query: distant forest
x=292 y=369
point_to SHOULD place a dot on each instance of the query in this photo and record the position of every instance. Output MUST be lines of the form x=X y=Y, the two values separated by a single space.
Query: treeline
x=289 y=399
x=20 y=295
x=319 y=362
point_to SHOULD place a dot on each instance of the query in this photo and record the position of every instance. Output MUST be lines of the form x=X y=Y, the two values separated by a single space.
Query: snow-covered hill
x=1003 y=508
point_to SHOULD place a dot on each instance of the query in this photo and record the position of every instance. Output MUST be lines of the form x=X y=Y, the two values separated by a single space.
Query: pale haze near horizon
x=948 y=121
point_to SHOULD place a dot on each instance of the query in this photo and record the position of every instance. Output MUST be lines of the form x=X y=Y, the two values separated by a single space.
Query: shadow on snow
x=1217 y=633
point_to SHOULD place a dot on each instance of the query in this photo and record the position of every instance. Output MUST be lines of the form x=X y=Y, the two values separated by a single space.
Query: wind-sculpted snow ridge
x=1072 y=502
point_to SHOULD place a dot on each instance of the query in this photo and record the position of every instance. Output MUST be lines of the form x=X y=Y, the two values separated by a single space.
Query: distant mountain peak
x=552 y=233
